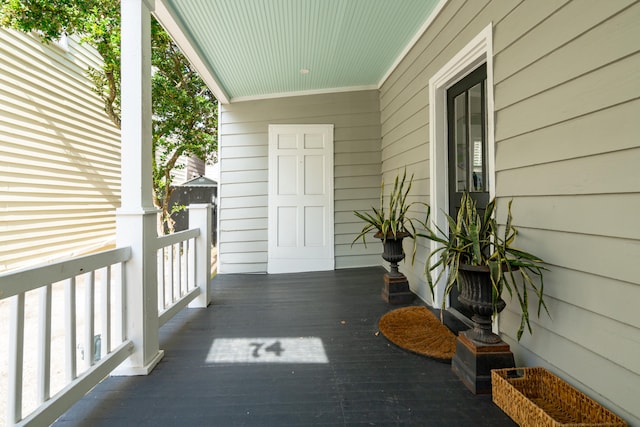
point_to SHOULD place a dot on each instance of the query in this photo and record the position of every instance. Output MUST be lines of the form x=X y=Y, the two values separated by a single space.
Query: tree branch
x=110 y=99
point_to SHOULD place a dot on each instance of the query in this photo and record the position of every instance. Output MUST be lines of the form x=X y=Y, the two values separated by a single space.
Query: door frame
x=281 y=265
x=475 y=53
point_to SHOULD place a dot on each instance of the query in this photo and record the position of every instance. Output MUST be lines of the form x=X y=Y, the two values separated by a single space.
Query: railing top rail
x=180 y=236
x=15 y=282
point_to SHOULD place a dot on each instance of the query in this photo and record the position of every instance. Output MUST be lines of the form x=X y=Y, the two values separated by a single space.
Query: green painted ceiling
x=257 y=48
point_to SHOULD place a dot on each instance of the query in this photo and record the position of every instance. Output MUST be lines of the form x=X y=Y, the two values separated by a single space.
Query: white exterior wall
x=567 y=104
x=244 y=176
x=59 y=154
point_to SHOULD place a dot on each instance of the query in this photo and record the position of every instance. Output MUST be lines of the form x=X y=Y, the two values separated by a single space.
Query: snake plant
x=395 y=219
x=478 y=240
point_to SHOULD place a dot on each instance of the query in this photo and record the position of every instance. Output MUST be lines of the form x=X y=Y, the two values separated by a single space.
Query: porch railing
x=50 y=292
x=84 y=300
x=176 y=268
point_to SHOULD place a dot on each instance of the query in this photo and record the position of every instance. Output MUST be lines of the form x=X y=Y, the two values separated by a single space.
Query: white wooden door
x=300 y=198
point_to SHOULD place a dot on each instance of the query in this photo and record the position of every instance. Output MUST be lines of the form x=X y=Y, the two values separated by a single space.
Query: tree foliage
x=184 y=109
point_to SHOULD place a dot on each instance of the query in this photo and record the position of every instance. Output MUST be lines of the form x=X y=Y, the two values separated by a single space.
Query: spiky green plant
x=396 y=219
x=477 y=240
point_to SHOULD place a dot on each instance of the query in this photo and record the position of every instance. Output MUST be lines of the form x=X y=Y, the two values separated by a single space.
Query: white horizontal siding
x=244 y=174
x=601 y=89
x=597 y=174
x=60 y=155
x=558 y=213
x=579 y=137
x=567 y=103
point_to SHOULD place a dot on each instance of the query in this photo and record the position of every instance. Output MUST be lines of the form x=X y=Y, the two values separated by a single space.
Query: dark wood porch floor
x=367 y=381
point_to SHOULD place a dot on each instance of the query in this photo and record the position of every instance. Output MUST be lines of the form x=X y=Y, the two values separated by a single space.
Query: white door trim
x=475 y=53
x=317 y=257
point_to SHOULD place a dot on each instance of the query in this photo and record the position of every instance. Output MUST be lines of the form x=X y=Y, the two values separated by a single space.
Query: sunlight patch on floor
x=267 y=350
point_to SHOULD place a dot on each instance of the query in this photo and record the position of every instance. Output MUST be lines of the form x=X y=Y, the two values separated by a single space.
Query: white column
x=136 y=219
x=200 y=217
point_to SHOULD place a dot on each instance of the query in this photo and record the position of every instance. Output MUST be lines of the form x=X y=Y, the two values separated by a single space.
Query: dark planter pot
x=476 y=294
x=395 y=289
x=392 y=251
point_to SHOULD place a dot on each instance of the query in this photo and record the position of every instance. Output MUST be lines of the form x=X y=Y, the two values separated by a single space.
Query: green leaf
x=475 y=242
x=395 y=217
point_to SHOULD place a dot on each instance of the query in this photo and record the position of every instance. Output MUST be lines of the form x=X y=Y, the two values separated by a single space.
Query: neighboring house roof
x=201 y=181
x=187 y=167
x=295 y=46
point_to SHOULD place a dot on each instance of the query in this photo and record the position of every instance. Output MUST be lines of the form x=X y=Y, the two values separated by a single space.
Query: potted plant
x=481 y=257
x=391 y=225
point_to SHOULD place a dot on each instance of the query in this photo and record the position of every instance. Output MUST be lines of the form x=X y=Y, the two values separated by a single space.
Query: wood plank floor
x=367 y=380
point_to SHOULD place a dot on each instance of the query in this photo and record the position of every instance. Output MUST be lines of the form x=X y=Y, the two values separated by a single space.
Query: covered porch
x=561 y=142
x=365 y=380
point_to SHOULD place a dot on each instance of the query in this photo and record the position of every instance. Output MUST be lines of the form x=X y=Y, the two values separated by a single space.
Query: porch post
x=200 y=217
x=136 y=219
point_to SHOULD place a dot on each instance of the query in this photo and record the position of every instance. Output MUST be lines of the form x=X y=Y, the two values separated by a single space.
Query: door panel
x=287 y=226
x=467 y=148
x=467 y=124
x=300 y=198
x=314 y=178
x=314 y=233
x=287 y=173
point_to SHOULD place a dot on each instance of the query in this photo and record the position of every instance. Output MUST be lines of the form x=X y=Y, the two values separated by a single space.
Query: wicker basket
x=535 y=397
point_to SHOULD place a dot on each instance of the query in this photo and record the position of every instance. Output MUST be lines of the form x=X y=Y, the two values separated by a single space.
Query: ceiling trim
x=165 y=18
x=413 y=41
x=304 y=93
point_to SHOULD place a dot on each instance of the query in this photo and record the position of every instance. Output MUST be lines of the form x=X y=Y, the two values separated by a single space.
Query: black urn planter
x=476 y=294
x=396 y=286
x=479 y=350
x=392 y=251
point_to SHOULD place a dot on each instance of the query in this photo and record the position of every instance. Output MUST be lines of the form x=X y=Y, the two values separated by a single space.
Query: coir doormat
x=418 y=330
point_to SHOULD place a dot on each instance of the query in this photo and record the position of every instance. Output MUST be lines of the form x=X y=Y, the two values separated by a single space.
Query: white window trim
x=475 y=53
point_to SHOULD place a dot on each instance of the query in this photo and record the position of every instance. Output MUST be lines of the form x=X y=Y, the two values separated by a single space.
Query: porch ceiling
x=247 y=49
